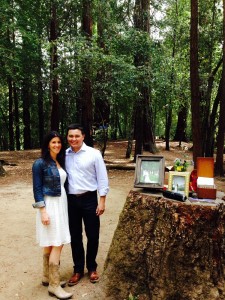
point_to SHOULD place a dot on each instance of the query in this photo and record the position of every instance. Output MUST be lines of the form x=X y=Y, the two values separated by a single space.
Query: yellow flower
x=179 y=168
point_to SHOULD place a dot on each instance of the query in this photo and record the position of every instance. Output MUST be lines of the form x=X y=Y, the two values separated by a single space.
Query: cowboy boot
x=45 y=278
x=54 y=287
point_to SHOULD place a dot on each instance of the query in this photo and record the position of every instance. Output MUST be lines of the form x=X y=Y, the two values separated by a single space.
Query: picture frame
x=149 y=171
x=178 y=182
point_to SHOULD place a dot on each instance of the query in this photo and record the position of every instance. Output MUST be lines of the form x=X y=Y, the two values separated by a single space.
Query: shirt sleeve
x=102 y=176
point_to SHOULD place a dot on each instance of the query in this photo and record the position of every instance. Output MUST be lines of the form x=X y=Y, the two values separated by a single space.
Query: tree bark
x=195 y=83
x=221 y=131
x=17 y=118
x=142 y=112
x=54 y=65
x=85 y=107
x=26 y=113
x=180 y=134
x=209 y=121
x=169 y=108
x=210 y=139
x=163 y=249
x=11 y=113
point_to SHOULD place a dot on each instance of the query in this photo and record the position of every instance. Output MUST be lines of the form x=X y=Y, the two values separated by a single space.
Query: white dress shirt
x=86 y=171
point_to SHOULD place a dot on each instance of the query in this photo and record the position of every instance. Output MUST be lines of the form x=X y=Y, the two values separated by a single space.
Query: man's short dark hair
x=75 y=126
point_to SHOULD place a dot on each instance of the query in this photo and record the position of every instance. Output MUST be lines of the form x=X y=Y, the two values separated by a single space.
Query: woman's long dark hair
x=45 y=154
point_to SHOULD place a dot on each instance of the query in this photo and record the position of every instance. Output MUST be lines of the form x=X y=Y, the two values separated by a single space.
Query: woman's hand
x=44 y=216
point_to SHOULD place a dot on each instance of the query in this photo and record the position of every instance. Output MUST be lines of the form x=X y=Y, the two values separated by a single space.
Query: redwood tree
x=180 y=134
x=143 y=132
x=54 y=64
x=85 y=104
x=194 y=75
x=220 y=137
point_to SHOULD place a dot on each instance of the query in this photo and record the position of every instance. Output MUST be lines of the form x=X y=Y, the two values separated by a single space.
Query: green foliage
x=25 y=58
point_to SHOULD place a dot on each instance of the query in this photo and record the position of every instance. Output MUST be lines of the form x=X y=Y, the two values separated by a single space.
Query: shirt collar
x=83 y=148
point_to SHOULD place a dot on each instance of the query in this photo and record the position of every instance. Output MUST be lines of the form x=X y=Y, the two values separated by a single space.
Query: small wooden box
x=205 y=168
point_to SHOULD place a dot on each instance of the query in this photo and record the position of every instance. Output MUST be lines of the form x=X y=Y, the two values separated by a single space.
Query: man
x=87 y=176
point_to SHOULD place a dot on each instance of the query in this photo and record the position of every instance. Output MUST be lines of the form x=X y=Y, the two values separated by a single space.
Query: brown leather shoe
x=93 y=275
x=75 y=279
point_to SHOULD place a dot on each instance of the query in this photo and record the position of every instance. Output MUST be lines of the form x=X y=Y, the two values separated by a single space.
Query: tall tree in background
x=85 y=104
x=109 y=70
x=221 y=131
x=102 y=105
x=54 y=32
x=194 y=76
x=211 y=120
x=180 y=134
x=210 y=69
x=39 y=68
x=10 y=44
x=143 y=132
x=172 y=80
x=17 y=118
x=26 y=93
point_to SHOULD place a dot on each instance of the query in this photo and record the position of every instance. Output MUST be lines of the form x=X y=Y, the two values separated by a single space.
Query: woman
x=52 y=229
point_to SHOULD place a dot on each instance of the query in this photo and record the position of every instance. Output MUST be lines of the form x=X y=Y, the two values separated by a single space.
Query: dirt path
x=21 y=257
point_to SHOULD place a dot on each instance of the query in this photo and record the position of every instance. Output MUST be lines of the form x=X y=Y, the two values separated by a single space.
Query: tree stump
x=163 y=249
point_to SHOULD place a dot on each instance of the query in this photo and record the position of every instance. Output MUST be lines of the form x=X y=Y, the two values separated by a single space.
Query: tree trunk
x=4 y=142
x=11 y=114
x=180 y=134
x=195 y=83
x=54 y=65
x=208 y=124
x=207 y=93
x=26 y=114
x=148 y=134
x=87 y=107
x=210 y=138
x=138 y=128
x=143 y=127
x=163 y=249
x=17 y=117
x=39 y=80
x=114 y=122
x=221 y=131
x=168 y=126
x=40 y=109
x=86 y=104
x=169 y=108
x=129 y=147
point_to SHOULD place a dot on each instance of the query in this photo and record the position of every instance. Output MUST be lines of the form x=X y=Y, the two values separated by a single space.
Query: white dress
x=57 y=232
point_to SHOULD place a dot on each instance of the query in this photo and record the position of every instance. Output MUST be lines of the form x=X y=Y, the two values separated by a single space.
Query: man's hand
x=101 y=206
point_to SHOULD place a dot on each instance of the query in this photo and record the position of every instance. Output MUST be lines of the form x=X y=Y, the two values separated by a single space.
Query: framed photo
x=149 y=171
x=179 y=182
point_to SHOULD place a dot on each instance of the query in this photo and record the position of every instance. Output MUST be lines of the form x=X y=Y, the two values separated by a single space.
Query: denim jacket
x=46 y=181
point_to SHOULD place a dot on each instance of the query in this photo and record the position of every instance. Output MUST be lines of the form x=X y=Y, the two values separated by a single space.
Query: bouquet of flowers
x=180 y=165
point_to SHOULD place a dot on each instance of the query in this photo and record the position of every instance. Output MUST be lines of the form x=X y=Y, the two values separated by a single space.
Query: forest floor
x=21 y=257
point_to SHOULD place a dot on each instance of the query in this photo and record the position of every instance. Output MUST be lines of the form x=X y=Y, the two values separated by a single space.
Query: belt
x=84 y=194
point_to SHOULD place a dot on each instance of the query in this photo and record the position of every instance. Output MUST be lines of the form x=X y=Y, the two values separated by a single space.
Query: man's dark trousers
x=83 y=208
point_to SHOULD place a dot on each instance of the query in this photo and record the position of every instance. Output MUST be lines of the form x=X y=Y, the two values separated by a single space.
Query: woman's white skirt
x=57 y=232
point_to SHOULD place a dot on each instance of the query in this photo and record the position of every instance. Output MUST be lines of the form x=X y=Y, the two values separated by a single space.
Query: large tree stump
x=167 y=250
